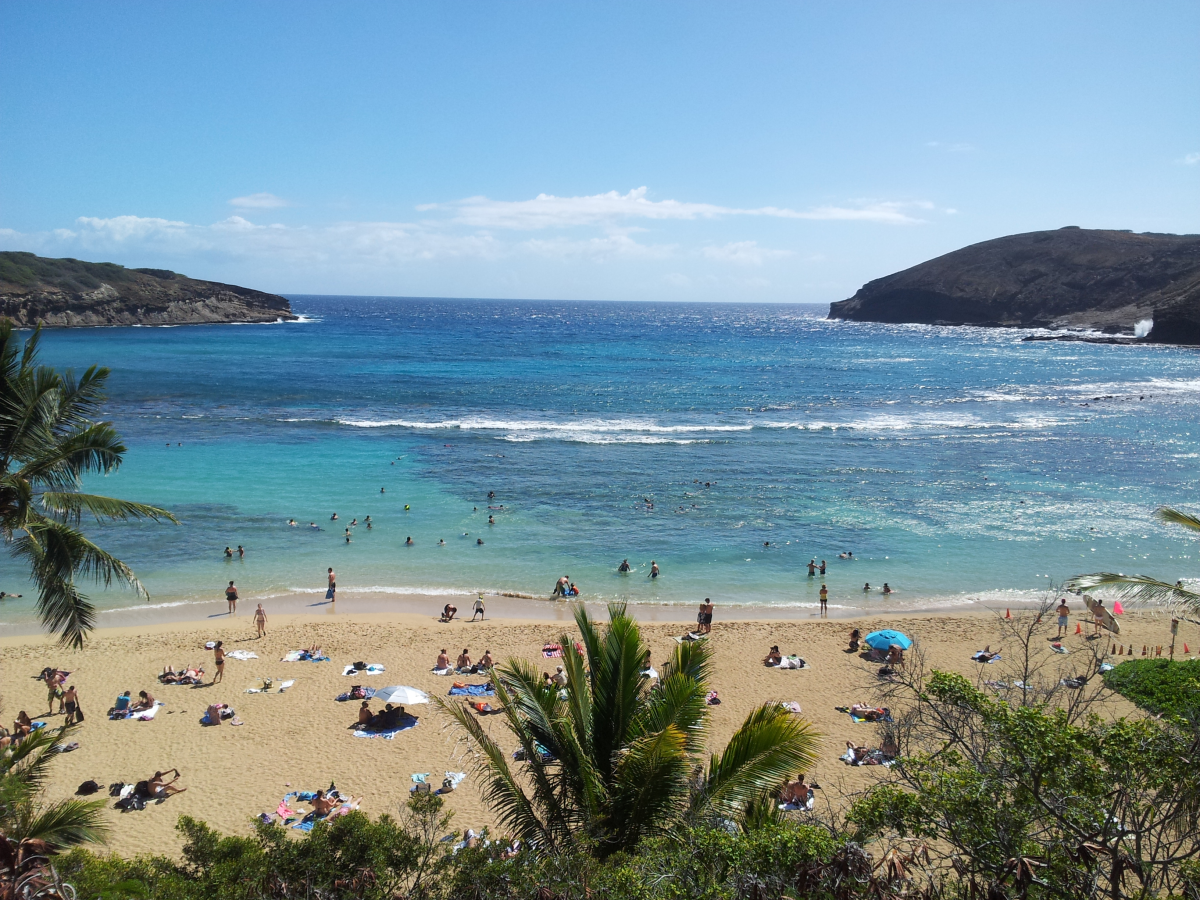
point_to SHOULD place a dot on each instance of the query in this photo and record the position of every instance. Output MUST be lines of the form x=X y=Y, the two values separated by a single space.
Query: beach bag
x=329 y=594
x=114 y=789
x=358 y=692
x=447 y=785
x=87 y=788
x=78 y=713
x=359 y=666
x=133 y=801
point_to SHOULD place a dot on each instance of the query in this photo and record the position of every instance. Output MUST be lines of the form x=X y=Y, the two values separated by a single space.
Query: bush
x=1160 y=686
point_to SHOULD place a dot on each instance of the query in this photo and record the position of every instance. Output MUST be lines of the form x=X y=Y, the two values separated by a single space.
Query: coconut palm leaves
x=1143 y=588
x=49 y=442
x=31 y=830
x=609 y=760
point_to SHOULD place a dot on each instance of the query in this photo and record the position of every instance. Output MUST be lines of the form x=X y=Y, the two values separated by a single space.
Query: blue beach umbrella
x=881 y=640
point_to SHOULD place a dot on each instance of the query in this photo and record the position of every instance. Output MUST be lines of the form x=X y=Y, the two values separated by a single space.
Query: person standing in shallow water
x=331 y=591
x=824 y=600
x=231 y=597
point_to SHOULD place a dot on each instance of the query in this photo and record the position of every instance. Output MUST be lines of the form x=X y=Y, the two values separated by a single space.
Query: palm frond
x=70 y=505
x=770 y=745
x=1177 y=517
x=61 y=825
x=1138 y=589
x=650 y=778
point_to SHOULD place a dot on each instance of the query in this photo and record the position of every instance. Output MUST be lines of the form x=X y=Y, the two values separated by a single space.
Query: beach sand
x=300 y=740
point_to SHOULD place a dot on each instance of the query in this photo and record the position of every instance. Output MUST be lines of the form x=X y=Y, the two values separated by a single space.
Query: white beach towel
x=241 y=654
x=372 y=669
x=146 y=714
x=445 y=671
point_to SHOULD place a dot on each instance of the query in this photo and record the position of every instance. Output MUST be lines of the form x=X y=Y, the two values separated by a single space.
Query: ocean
x=729 y=443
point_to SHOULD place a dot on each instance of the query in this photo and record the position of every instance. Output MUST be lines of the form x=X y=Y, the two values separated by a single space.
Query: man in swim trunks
x=260 y=620
x=443 y=660
x=478 y=609
x=231 y=597
x=331 y=592
x=448 y=612
x=624 y=566
x=160 y=788
x=219 y=659
x=653 y=569
x=812 y=568
x=464 y=660
x=1063 y=612
x=71 y=699
x=706 y=614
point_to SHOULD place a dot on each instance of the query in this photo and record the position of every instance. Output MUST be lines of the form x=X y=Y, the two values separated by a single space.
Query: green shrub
x=1160 y=686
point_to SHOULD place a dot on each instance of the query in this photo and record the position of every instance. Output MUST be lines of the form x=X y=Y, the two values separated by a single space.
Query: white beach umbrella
x=401 y=694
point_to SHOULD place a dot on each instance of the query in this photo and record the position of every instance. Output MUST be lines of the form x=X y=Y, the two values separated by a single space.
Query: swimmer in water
x=228 y=553
x=406 y=507
x=313 y=525
x=354 y=522
x=653 y=569
x=624 y=566
x=491 y=520
x=479 y=541
x=5 y=594
x=292 y=522
x=408 y=542
x=886 y=588
x=491 y=495
x=866 y=587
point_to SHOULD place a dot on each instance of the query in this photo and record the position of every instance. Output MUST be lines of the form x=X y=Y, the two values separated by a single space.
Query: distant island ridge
x=1142 y=288
x=65 y=293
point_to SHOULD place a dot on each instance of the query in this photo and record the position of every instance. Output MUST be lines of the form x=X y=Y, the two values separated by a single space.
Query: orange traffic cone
x=1144 y=649
x=1078 y=629
x=1008 y=613
x=1185 y=649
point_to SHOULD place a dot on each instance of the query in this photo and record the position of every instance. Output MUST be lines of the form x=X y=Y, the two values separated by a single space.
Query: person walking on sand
x=478 y=609
x=1063 y=612
x=260 y=620
x=219 y=661
x=824 y=599
x=706 y=614
x=231 y=597
x=71 y=698
x=331 y=591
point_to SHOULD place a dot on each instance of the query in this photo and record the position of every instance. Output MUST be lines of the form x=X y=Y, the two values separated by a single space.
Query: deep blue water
x=952 y=462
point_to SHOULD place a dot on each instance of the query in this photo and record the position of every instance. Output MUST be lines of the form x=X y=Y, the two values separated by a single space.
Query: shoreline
x=499 y=606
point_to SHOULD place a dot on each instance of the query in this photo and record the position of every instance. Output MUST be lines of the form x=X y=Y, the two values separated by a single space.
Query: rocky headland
x=65 y=293
x=1130 y=287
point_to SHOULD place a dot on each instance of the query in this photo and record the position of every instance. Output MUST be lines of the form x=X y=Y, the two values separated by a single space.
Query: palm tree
x=32 y=831
x=1142 y=587
x=614 y=760
x=48 y=442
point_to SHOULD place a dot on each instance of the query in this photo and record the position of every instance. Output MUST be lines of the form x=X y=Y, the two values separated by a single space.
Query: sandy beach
x=300 y=739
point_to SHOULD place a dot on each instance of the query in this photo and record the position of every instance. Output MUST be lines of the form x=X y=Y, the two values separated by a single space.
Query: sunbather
x=855 y=640
x=160 y=788
x=22 y=726
x=464 y=661
x=144 y=701
x=486 y=661
x=443 y=660
x=795 y=791
x=323 y=805
x=364 y=713
x=773 y=658
x=895 y=657
x=860 y=753
x=870 y=713
x=120 y=709
x=986 y=654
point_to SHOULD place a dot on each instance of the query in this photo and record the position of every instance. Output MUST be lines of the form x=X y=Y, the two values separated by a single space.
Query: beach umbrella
x=401 y=694
x=881 y=640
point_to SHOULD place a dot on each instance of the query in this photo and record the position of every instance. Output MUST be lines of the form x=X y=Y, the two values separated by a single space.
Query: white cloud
x=1191 y=159
x=262 y=200
x=746 y=253
x=549 y=211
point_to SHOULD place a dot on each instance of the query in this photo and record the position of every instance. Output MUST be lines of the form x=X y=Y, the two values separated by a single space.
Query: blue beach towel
x=407 y=723
x=473 y=690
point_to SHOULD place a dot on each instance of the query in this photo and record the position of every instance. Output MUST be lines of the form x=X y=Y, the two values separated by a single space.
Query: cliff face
x=1070 y=278
x=68 y=293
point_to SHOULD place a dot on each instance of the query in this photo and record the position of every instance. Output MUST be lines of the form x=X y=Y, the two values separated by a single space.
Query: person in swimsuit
x=706 y=614
x=653 y=569
x=331 y=592
x=260 y=620
x=219 y=659
x=71 y=698
x=824 y=599
x=228 y=553
x=624 y=566
x=486 y=661
x=464 y=660
x=364 y=713
x=812 y=568
x=160 y=788
x=478 y=609
x=448 y=612
x=443 y=660
x=1063 y=612
x=773 y=658
x=241 y=552
x=886 y=588
x=145 y=701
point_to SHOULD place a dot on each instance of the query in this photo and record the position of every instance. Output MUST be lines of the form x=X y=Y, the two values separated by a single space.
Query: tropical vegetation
x=31 y=829
x=49 y=442
x=1163 y=687
x=613 y=757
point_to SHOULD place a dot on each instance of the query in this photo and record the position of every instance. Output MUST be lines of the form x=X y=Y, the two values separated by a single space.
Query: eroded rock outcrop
x=1071 y=278
x=65 y=293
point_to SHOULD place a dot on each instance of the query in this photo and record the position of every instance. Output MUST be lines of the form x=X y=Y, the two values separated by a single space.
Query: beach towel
x=791 y=706
x=453 y=780
x=287 y=684
x=481 y=707
x=858 y=720
x=808 y=805
x=146 y=714
x=372 y=669
x=473 y=690
x=791 y=662
x=406 y=723
x=872 y=758
x=284 y=811
x=691 y=636
x=552 y=651
x=1059 y=648
x=445 y=671
x=367 y=694
x=241 y=654
x=649 y=673
x=712 y=699
x=302 y=656
x=419 y=777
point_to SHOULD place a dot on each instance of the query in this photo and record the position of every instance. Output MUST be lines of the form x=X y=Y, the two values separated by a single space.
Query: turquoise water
x=954 y=463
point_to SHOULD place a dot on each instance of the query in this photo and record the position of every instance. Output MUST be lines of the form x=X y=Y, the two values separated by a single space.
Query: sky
x=621 y=151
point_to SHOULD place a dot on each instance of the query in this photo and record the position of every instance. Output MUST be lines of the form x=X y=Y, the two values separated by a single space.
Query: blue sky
x=674 y=151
